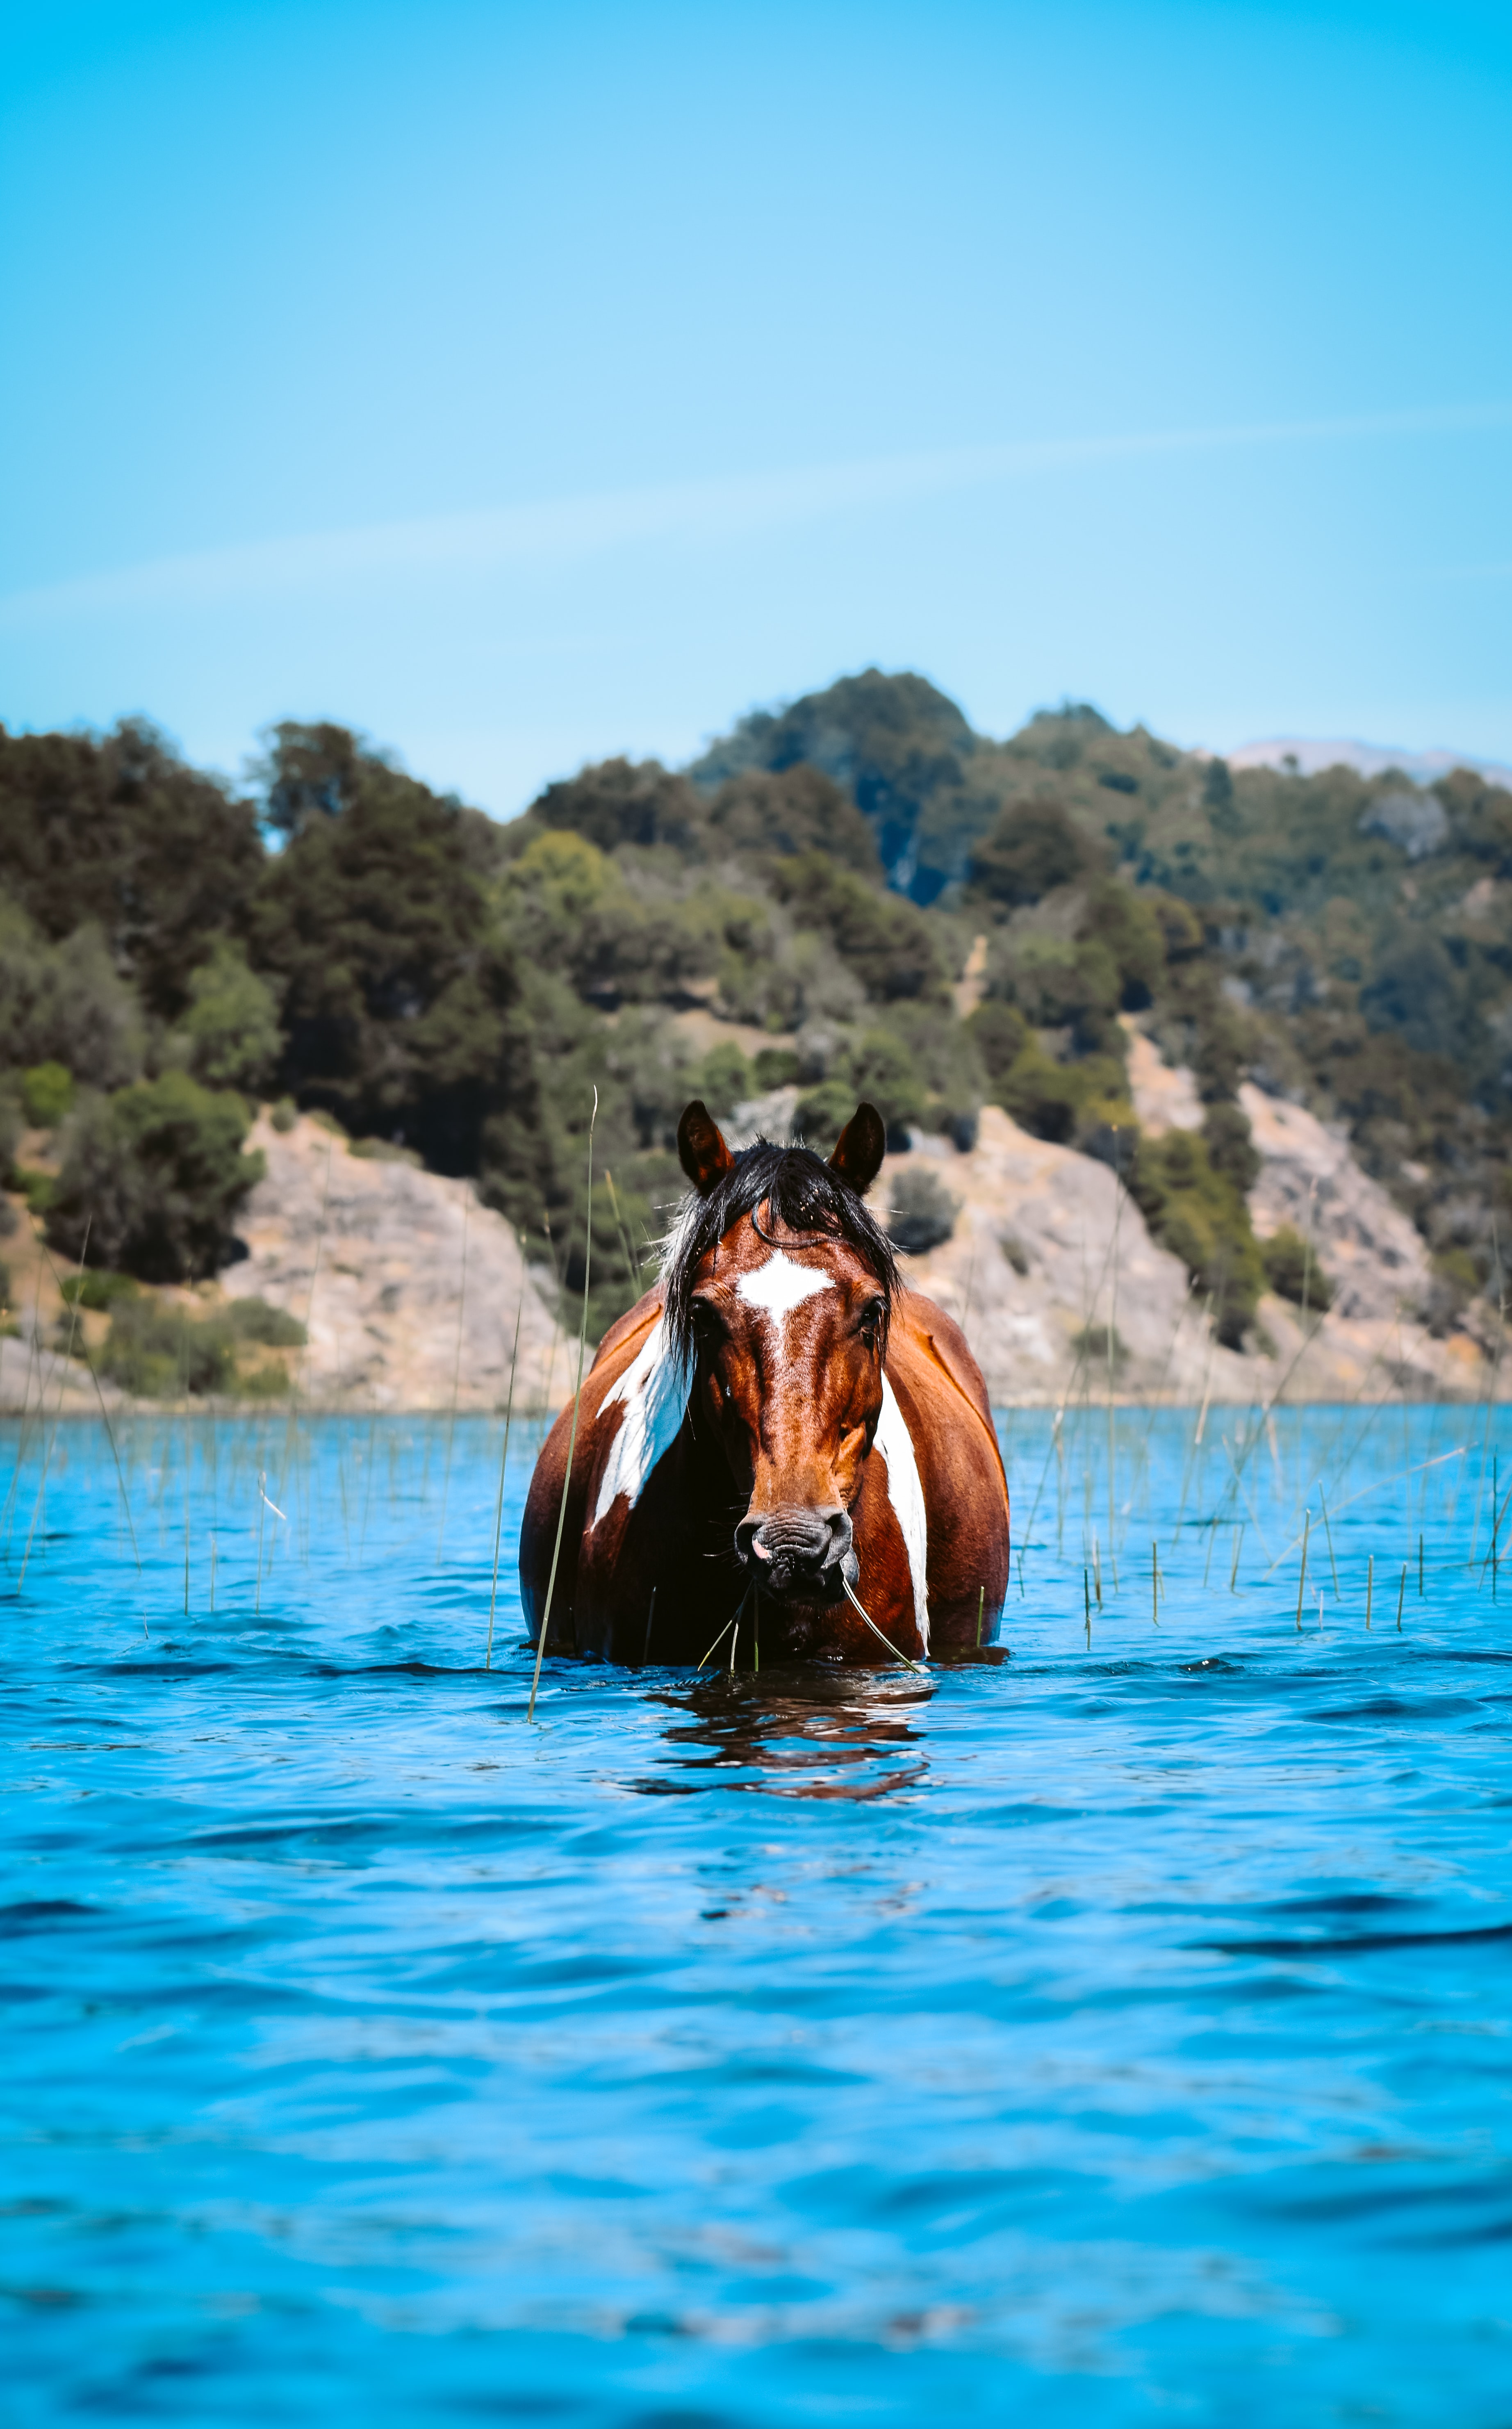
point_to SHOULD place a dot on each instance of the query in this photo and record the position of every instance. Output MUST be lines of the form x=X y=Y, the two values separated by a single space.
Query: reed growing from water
x=572 y=1437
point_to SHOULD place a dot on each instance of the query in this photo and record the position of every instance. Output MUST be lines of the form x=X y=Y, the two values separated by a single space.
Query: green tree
x=621 y=802
x=153 y=1177
x=791 y=811
x=117 y=831
x=887 y=943
x=1033 y=848
x=65 y=1003
x=402 y=998
x=232 y=1022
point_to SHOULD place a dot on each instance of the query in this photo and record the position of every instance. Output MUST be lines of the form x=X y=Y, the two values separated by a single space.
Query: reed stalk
x=503 y=1461
x=456 y=1384
x=1401 y=1598
x=1302 y=1581
x=572 y=1437
x=624 y=1236
x=40 y=1502
x=733 y=1621
x=650 y=1621
x=1329 y=1535
x=876 y=1630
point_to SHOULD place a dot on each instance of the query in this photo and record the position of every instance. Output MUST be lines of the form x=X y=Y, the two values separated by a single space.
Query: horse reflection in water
x=802 y=1735
x=782 y=1453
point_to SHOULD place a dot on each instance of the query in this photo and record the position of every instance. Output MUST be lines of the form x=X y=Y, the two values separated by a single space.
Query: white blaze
x=906 y=1495
x=653 y=1393
x=781 y=1285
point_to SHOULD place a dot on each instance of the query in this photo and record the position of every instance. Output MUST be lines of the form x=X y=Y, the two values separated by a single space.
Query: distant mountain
x=1365 y=758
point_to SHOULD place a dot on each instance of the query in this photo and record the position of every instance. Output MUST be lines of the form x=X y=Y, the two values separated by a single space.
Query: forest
x=335 y=935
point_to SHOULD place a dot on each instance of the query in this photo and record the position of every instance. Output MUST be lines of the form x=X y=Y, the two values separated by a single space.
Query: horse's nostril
x=794 y=1543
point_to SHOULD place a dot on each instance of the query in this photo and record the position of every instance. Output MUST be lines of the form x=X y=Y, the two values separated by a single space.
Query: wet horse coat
x=779 y=1419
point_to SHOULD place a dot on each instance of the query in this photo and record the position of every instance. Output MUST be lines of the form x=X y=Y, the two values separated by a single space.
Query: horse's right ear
x=859 y=1149
x=702 y=1151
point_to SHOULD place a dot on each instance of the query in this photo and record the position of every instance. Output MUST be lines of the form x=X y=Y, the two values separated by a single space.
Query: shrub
x=253 y=1320
x=283 y=1115
x=1099 y=1345
x=46 y=1094
x=97 y=1291
x=36 y=1186
x=1230 y=1145
x=880 y=1067
x=1001 y=1032
x=160 y=1353
x=1199 y=1216
x=1042 y=1094
x=821 y=1113
x=1294 y=1272
x=152 y=1178
x=776 y=1066
x=724 y=1079
x=1455 y=1280
x=10 y=1126
x=922 y=1213
x=269 y=1383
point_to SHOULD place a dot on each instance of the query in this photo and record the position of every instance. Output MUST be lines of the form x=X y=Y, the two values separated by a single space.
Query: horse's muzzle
x=797 y=1553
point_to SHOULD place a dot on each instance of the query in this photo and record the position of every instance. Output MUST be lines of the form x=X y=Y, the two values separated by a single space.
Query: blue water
x=1117 y=2033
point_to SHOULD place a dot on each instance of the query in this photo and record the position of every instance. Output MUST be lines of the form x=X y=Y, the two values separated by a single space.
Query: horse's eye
x=871 y=1319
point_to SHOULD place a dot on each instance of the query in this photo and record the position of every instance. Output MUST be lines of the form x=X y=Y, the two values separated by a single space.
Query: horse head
x=780 y=1285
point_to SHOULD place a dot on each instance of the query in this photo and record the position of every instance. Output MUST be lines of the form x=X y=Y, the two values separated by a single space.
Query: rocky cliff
x=410 y=1288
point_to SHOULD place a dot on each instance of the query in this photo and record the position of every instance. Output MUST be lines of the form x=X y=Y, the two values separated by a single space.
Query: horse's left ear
x=859 y=1149
x=702 y=1151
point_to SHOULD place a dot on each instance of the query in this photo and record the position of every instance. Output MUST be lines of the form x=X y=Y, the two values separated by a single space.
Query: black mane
x=806 y=1195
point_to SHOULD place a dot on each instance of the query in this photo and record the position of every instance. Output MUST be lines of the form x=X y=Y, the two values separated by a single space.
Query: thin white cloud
x=560 y=532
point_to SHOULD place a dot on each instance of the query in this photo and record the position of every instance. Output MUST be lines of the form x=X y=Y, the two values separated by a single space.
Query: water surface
x=1113 y=2033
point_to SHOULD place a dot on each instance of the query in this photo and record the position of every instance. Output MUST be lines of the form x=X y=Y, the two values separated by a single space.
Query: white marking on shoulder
x=653 y=1393
x=906 y=1495
x=781 y=1284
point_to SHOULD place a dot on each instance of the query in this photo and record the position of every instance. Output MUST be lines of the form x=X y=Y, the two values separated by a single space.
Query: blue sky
x=522 y=383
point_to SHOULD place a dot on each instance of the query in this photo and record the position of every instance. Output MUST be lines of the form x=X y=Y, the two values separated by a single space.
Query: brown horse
x=779 y=1440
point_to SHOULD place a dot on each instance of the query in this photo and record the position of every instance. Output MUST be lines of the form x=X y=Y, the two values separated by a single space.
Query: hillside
x=858 y=896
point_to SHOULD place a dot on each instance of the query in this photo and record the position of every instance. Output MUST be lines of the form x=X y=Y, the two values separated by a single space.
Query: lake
x=1116 y=2032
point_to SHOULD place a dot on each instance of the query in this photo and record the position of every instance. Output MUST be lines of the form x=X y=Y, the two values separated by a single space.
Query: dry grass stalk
x=572 y=1437
x=503 y=1461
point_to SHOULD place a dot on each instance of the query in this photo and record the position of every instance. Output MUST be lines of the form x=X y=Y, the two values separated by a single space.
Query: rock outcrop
x=1049 y=1255
x=409 y=1287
